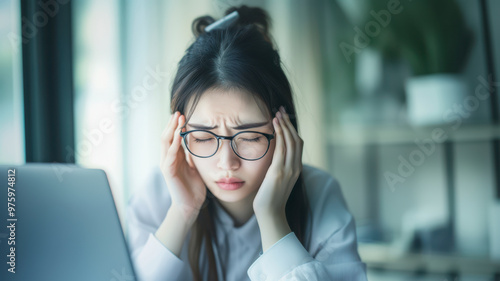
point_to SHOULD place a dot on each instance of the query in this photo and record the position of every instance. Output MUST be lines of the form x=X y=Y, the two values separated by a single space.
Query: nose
x=228 y=160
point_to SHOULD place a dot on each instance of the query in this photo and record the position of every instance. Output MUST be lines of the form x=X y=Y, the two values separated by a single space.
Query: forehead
x=231 y=105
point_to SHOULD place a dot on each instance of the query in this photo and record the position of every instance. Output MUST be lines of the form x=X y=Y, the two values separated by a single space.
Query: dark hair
x=241 y=57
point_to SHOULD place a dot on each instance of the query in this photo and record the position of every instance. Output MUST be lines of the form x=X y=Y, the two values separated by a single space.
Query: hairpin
x=223 y=22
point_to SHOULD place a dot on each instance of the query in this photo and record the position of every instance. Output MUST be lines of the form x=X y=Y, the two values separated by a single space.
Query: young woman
x=231 y=199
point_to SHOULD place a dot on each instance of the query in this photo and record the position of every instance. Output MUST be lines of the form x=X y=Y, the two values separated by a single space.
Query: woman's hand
x=284 y=171
x=186 y=187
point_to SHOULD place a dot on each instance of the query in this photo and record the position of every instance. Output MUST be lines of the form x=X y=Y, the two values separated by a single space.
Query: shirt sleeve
x=333 y=251
x=145 y=212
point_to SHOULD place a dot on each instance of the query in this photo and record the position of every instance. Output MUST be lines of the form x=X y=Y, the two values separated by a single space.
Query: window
x=11 y=95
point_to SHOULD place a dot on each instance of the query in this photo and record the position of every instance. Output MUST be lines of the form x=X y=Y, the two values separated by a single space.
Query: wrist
x=275 y=218
x=184 y=216
x=272 y=227
x=271 y=215
x=174 y=228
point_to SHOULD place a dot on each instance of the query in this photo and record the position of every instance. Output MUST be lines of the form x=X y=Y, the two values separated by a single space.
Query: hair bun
x=247 y=16
x=253 y=15
x=199 y=24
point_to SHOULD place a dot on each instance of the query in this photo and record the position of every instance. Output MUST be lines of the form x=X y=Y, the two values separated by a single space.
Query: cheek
x=270 y=152
x=268 y=158
x=261 y=166
x=201 y=165
x=204 y=169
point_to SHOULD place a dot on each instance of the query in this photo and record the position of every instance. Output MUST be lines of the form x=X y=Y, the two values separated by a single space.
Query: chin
x=230 y=195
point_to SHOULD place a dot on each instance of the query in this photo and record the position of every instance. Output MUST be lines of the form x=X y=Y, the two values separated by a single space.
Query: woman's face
x=224 y=110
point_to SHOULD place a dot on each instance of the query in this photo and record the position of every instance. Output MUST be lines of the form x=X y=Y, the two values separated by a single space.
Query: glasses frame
x=269 y=137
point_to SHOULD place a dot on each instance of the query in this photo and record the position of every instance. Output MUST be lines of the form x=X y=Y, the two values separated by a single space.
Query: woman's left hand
x=284 y=170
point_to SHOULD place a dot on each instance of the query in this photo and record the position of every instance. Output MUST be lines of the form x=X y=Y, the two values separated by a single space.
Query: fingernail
x=278 y=114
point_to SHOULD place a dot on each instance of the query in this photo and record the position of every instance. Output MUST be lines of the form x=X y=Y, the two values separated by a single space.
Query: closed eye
x=252 y=140
x=203 y=140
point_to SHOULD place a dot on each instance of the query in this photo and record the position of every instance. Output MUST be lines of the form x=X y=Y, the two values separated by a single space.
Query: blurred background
x=396 y=99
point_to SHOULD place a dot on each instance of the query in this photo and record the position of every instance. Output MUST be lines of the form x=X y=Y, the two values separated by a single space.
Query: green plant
x=431 y=34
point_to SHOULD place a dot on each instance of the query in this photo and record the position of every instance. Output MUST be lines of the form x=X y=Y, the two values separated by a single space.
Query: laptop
x=59 y=222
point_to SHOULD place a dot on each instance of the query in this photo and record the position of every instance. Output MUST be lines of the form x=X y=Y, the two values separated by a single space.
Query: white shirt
x=330 y=252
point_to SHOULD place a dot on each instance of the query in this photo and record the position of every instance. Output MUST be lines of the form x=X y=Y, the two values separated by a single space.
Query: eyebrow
x=240 y=127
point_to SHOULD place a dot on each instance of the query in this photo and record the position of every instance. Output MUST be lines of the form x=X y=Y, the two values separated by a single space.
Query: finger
x=163 y=148
x=298 y=142
x=176 y=143
x=298 y=155
x=172 y=127
x=290 y=126
x=289 y=142
x=168 y=124
x=279 y=149
x=167 y=134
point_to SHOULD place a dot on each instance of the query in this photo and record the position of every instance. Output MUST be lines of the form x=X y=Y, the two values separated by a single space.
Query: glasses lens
x=250 y=145
x=202 y=144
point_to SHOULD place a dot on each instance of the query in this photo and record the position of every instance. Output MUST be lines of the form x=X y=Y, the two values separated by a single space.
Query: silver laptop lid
x=62 y=224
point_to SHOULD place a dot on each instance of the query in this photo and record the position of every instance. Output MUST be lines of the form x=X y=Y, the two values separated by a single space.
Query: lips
x=230 y=183
x=229 y=180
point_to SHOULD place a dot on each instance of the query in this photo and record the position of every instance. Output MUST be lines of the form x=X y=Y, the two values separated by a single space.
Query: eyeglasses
x=248 y=145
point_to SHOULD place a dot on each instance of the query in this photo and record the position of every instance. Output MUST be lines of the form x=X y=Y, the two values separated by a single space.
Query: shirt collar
x=247 y=233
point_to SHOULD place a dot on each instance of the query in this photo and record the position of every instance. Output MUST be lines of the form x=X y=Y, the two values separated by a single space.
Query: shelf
x=383 y=135
x=384 y=256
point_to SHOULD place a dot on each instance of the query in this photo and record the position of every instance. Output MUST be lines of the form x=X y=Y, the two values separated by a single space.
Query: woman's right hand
x=186 y=187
